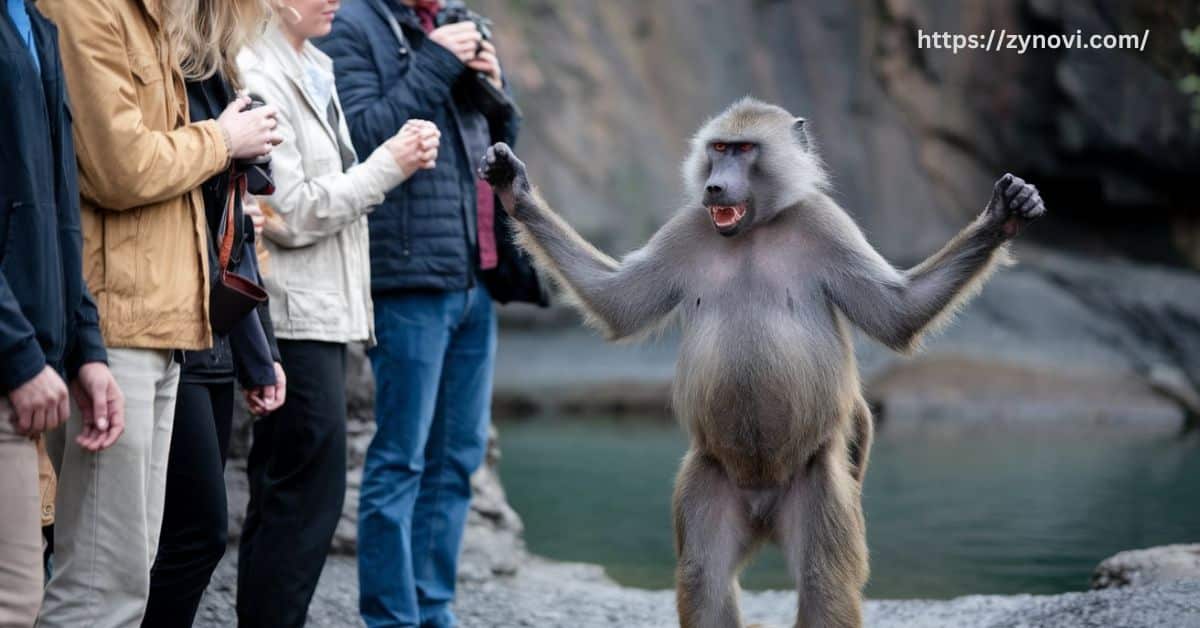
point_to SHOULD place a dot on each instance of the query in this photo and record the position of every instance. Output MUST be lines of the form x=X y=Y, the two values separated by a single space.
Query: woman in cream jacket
x=319 y=283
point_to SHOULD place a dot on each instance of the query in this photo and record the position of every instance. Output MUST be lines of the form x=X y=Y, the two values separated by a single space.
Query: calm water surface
x=947 y=515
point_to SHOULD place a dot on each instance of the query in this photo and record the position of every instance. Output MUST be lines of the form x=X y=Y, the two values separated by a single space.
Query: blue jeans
x=433 y=378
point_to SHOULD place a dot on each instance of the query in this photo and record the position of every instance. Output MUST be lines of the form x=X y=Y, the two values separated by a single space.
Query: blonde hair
x=207 y=35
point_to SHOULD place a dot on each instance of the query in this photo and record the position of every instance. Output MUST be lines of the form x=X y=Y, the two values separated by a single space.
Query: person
x=320 y=302
x=439 y=254
x=49 y=325
x=141 y=165
x=195 y=511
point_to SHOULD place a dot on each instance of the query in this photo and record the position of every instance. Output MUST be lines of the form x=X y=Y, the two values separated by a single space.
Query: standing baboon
x=764 y=270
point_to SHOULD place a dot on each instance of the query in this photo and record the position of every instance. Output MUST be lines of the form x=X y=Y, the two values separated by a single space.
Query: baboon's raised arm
x=896 y=307
x=621 y=298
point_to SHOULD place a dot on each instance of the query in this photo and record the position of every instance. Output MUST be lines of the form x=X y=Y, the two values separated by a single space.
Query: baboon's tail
x=862 y=433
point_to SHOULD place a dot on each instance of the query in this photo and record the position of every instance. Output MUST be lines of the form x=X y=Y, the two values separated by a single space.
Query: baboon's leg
x=863 y=435
x=712 y=536
x=820 y=529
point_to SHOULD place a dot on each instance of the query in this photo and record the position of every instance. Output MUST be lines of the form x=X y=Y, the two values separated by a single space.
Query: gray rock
x=1155 y=565
x=564 y=595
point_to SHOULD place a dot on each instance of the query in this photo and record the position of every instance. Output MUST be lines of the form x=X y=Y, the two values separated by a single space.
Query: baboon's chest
x=761 y=367
x=762 y=351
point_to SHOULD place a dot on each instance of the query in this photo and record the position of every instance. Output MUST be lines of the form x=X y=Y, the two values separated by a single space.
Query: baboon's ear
x=800 y=132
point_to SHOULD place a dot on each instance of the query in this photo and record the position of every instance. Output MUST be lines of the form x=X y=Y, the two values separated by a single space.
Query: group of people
x=159 y=155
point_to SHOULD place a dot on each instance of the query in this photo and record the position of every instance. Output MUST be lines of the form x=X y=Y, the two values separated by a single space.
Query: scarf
x=427 y=11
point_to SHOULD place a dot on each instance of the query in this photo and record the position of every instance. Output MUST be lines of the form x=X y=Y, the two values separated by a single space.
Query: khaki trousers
x=109 y=504
x=20 y=526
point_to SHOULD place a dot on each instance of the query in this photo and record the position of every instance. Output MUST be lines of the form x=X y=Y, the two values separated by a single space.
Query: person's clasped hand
x=415 y=146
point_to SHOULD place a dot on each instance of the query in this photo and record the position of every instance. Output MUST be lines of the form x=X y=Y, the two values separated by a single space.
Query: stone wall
x=914 y=138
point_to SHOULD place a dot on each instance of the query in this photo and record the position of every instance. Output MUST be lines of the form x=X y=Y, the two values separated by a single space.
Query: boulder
x=1151 y=566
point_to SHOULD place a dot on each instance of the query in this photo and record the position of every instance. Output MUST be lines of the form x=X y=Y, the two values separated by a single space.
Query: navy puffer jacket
x=423 y=235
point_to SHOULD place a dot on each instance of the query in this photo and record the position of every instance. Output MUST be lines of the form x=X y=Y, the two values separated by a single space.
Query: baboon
x=765 y=273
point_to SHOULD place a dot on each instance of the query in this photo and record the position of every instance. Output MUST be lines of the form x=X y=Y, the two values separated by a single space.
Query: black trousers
x=297 y=469
x=195 y=513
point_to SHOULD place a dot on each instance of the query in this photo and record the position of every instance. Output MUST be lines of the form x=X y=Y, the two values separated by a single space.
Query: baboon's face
x=728 y=192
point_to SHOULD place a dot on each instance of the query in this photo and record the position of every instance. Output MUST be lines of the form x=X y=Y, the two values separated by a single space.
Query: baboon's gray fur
x=766 y=382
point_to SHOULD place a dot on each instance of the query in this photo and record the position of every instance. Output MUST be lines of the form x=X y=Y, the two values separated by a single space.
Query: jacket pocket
x=148 y=85
x=122 y=244
x=315 y=309
x=24 y=227
x=145 y=68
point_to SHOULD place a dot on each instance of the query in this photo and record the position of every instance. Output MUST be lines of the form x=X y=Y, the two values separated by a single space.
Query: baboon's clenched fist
x=1014 y=204
x=506 y=174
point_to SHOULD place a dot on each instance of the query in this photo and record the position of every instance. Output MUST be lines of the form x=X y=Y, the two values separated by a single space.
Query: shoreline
x=549 y=594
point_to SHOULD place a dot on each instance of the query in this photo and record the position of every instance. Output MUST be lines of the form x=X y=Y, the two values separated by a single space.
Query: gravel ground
x=561 y=595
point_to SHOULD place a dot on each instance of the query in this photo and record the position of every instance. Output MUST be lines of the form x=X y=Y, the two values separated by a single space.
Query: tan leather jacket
x=140 y=165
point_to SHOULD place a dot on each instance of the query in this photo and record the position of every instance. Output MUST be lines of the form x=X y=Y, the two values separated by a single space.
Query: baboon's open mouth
x=727 y=216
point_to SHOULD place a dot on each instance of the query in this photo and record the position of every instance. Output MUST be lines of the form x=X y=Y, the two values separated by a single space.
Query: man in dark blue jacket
x=49 y=327
x=439 y=254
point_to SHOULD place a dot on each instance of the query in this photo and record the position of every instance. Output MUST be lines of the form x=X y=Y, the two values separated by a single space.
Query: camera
x=455 y=11
x=489 y=100
x=258 y=169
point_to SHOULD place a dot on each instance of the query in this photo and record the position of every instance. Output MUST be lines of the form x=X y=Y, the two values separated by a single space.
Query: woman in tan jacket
x=145 y=260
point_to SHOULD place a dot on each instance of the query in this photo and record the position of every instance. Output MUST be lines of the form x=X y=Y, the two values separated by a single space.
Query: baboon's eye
x=720 y=147
x=745 y=147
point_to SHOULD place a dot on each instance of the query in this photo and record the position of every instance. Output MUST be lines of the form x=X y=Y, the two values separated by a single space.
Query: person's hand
x=251 y=132
x=251 y=208
x=489 y=64
x=461 y=38
x=102 y=405
x=415 y=146
x=267 y=399
x=429 y=140
x=40 y=404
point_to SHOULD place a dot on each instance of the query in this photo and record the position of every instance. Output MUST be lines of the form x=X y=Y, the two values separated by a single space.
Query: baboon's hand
x=506 y=174
x=1014 y=204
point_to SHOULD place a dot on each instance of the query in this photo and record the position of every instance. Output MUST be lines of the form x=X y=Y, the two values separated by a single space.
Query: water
x=947 y=514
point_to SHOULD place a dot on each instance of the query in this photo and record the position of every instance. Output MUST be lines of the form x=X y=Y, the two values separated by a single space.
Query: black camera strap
x=386 y=12
x=335 y=123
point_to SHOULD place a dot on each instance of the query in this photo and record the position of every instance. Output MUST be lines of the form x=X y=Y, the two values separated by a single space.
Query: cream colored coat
x=320 y=275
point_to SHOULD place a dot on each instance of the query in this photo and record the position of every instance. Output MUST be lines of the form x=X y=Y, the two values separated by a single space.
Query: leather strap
x=237 y=186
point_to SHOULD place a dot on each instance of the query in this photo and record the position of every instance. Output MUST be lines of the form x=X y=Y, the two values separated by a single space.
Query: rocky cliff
x=914 y=137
